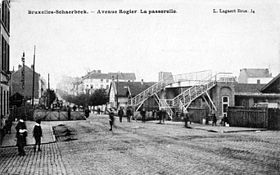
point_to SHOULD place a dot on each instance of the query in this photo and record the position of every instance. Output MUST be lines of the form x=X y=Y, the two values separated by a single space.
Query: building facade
x=4 y=63
x=254 y=76
x=97 y=80
x=16 y=83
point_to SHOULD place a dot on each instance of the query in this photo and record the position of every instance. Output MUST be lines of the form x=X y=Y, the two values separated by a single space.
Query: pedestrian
x=159 y=114
x=111 y=118
x=120 y=113
x=226 y=121
x=163 y=115
x=37 y=134
x=154 y=114
x=87 y=111
x=9 y=125
x=69 y=112
x=21 y=134
x=143 y=114
x=214 y=119
x=128 y=114
x=187 y=119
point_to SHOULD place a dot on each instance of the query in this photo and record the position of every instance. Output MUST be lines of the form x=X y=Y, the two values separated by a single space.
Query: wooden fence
x=274 y=119
x=254 y=117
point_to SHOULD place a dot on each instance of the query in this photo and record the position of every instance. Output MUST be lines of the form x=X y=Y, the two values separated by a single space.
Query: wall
x=220 y=90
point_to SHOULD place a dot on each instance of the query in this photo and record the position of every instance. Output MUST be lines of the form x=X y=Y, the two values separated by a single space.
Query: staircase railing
x=141 y=97
x=189 y=95
x=163 y=104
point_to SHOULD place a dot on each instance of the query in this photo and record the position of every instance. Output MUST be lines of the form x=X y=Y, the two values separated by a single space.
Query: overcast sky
x=193 y=39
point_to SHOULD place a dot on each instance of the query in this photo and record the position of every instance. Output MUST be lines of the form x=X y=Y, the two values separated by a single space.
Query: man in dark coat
x=68 y=112
x=214 y=119
x=120 y=113
x=87 y=111
x=37 y=134
x=111 y=118
x=143 y=114
x=128 y=114
x=21 y=134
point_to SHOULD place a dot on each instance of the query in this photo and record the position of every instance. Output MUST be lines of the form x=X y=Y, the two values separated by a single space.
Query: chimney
x=19 y=66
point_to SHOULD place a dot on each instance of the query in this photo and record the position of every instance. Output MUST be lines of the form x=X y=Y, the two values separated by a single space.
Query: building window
x=101 y=80
x=107 y=81
x=5 y=16
x=4 y=103
x=1 y=100
x=225 y=99
x=5 y=55
x=225 y=104
x=258 y=81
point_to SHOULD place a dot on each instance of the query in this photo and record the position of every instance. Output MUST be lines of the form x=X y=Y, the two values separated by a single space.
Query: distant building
x=97 y=80
x=120 y=92
x=254 y=76
x=4 y=63
x=16 y=83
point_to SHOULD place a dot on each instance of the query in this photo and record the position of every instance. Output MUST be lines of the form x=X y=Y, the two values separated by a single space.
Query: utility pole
x=48 y=98
x=33 y=82
x=23 y=82
x=117 y=90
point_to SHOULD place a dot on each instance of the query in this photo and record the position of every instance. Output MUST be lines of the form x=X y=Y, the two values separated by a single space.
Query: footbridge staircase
x=198 y=82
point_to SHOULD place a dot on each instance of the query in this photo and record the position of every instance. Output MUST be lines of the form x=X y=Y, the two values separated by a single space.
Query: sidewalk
x=48 y=137
x=210 y=128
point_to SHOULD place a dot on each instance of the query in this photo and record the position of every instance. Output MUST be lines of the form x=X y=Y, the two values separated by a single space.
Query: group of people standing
x=129 y=114
x=21 y=134
x=121 y=114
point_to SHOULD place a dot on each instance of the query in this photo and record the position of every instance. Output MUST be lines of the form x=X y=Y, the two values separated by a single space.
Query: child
x=37 y=134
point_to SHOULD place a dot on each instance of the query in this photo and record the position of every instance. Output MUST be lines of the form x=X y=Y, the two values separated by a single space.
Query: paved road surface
x=148 y=148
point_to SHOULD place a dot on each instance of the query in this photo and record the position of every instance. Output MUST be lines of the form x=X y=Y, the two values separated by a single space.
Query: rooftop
x=257 y=73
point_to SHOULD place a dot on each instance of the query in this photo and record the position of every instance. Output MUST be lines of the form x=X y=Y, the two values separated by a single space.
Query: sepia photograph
x=154 y=87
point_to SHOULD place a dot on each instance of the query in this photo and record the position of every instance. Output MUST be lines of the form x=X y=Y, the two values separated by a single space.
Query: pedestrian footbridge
x=195 y=84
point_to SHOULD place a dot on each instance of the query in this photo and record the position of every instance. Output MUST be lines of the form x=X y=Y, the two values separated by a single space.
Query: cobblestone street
x=147 y=148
